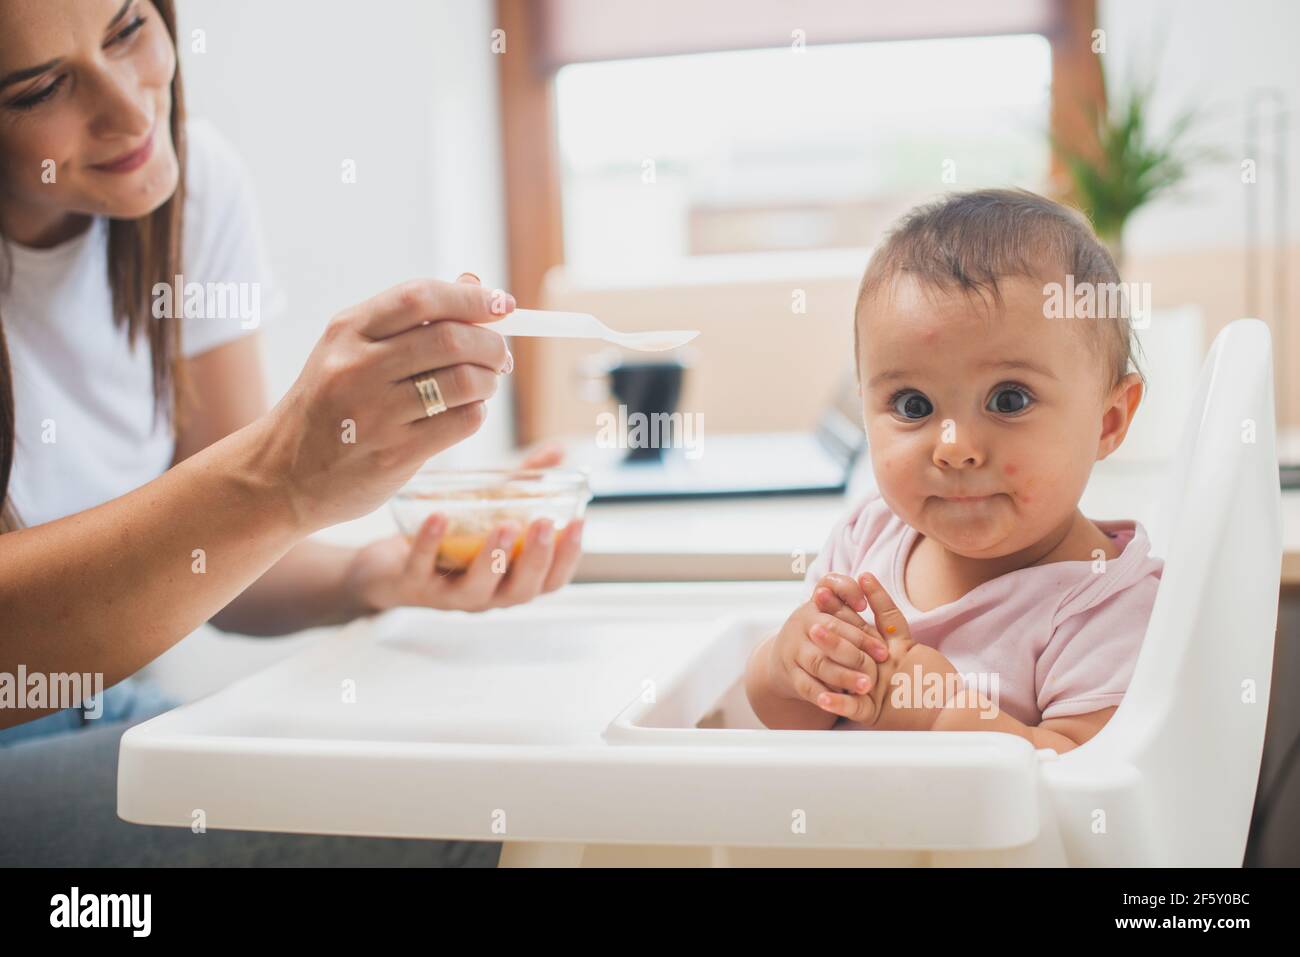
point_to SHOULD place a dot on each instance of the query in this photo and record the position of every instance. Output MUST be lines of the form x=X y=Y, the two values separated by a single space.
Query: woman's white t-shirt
x=83 y=399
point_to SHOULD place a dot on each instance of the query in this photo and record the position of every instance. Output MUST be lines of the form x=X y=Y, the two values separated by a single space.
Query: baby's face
x=953 y=411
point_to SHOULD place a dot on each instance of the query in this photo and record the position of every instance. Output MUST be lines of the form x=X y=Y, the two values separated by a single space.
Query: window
x=757 y=150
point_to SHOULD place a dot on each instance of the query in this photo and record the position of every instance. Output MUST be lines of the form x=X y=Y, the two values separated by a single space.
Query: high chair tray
x=604 y=713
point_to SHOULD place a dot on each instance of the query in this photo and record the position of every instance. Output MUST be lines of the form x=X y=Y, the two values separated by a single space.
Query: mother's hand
x=393 y=572
x=353 y=428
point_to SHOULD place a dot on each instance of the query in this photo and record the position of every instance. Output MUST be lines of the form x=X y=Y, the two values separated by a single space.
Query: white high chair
x=1170 y=780
x=516 y=726
x=1175 y=769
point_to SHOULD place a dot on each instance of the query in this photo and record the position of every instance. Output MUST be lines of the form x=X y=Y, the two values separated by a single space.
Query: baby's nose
x=957 y=454
x=948 y=460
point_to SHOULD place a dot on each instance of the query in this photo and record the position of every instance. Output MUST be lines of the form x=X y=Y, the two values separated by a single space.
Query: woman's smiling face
x=983 y=424
x=85 y=108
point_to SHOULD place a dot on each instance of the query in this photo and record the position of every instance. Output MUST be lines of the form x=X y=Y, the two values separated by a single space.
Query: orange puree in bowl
x=456 y=552
x=468 y=533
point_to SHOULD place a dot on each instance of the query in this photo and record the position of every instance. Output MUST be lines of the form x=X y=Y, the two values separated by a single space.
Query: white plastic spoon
x=580 y=325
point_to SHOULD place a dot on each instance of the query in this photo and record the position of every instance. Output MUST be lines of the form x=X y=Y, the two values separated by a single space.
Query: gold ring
x=430 y=394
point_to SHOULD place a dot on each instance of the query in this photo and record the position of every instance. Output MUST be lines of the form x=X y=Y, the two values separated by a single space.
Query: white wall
x=1211 y=55
x=407 y=89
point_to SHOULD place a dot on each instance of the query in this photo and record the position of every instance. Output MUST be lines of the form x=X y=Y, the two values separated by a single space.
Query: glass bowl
x=476 y=502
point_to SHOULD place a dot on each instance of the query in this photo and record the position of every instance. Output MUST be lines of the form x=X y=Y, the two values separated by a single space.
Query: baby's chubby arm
x=810 y=673
x=907 y=703
x=824 y=650
x=1058 y=734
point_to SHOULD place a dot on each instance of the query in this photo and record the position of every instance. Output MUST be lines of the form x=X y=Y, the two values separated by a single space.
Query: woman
x=146 y=488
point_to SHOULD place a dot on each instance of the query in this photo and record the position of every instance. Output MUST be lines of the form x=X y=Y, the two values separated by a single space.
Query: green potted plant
x=1128 y=163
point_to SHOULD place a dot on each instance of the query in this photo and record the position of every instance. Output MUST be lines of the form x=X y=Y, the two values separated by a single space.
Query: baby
x=995 y=604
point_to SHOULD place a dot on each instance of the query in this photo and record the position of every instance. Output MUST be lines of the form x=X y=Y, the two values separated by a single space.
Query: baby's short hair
x=968 y=241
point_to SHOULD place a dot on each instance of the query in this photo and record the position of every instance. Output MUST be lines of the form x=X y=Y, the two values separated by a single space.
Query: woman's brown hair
x=141 y=252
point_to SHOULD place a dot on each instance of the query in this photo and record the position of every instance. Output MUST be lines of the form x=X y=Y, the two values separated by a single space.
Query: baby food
x=474 y=514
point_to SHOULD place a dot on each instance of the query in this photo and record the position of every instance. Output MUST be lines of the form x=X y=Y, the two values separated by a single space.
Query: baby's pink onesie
x=1054 y=640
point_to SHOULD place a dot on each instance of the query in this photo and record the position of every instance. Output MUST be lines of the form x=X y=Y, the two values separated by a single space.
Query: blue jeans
x=58 y=807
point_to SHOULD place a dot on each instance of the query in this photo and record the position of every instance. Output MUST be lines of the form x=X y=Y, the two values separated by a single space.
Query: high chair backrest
x=1192 y=721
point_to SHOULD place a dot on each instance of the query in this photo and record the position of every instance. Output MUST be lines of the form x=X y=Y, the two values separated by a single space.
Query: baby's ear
x=1118 y=416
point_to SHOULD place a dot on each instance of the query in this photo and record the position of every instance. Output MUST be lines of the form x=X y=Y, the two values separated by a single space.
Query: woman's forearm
x=109 y=589
x=308 y=587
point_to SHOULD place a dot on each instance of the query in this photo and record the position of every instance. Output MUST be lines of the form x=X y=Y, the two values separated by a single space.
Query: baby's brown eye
x=911 y=405
x=1009 y=401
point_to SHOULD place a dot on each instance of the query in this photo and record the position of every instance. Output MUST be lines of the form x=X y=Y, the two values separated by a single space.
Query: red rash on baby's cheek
x=1009 y=470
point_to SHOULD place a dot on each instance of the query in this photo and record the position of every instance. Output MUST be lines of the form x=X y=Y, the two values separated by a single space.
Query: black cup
x=648 y=388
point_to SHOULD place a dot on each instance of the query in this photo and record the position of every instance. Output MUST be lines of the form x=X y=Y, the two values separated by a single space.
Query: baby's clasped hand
x=826 y=654
x=906 y=669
